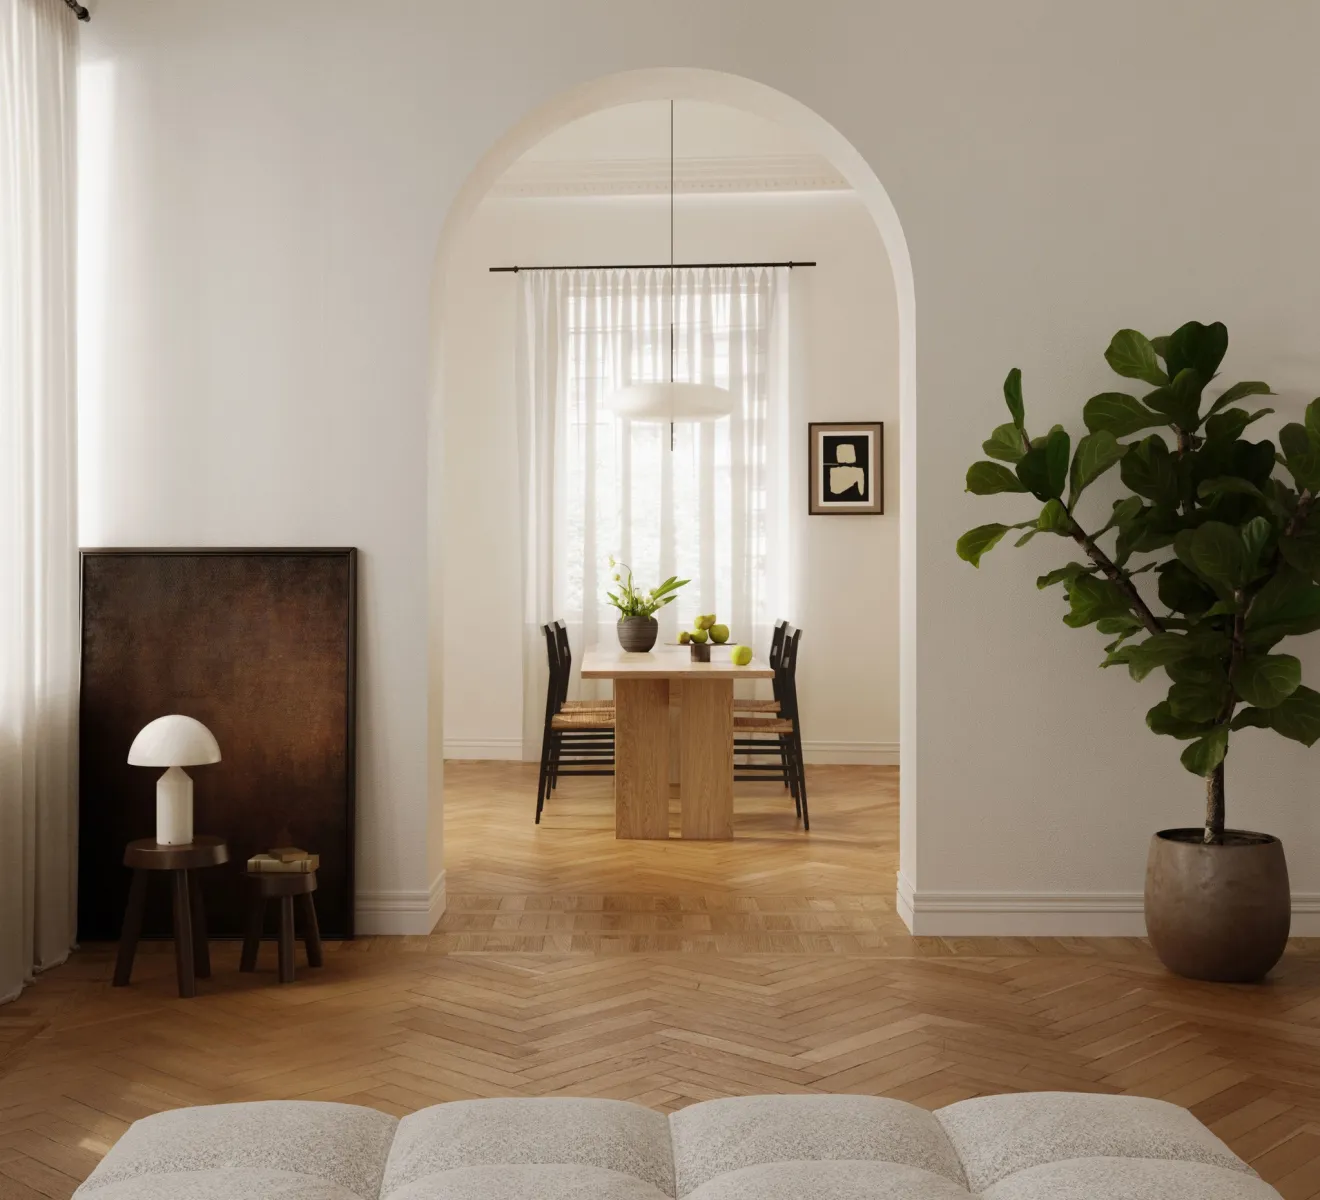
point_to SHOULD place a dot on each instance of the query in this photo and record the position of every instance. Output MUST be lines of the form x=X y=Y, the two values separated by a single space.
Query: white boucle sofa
x=1033 y=1146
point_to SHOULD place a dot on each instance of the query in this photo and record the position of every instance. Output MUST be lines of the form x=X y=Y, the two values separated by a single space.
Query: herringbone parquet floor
x=755 y=996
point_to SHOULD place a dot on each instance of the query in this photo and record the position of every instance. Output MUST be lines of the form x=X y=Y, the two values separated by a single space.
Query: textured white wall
x=279 y=179
x=846 y=352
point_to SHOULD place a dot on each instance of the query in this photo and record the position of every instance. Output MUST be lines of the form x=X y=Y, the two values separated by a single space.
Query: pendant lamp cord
x=673 y=282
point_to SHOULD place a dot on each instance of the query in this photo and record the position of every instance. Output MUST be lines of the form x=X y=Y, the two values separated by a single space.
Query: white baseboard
x=870 y=754
x=503 y=748
x=401 y=912
x=1049 y=914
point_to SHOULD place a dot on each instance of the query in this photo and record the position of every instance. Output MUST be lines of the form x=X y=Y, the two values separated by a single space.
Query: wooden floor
x=663 y=973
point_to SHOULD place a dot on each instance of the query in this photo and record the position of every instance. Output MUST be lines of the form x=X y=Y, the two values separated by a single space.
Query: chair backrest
x=777 y=649
x=553 y=700
x=565 y=659
x=786 y=676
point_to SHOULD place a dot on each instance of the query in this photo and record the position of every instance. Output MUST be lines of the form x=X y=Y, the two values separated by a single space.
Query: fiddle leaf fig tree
x=1209 y=559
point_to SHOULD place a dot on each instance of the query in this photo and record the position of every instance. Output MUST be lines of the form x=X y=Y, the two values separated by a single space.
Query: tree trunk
x=1214 y=806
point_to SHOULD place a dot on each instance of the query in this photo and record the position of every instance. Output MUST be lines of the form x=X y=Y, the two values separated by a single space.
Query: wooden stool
x=286 y=886
x=192 y=956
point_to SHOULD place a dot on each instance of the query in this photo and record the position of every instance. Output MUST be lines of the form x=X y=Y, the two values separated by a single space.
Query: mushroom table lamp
x=174 y=742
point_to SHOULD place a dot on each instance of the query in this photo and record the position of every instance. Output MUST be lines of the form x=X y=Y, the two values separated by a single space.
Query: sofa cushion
x=996 y=1136
x=840 y=1179
x=327 y=1144
x=529 y=1181
x=237 y=1183
x=1129 y=1179
x=719 y=1136
x=612 y=1135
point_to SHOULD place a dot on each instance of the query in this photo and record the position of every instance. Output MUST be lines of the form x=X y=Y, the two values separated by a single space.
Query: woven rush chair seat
x=582 y=720
x=588 y=706
x=762 y=725
x=757 y=706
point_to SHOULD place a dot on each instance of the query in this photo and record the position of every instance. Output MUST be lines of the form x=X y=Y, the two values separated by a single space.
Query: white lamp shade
x=664 y=401
x=174 y=741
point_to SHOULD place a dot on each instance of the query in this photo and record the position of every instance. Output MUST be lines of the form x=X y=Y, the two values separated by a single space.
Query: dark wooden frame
x=877 y=506
x=339 y=921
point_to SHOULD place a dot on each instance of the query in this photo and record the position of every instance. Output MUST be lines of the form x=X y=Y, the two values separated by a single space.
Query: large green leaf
x=987 y=478
x=1180 y=401
x=1301 y=455
x=1201 y=347
x=1059 y=574
x=1195 y=701
x=1118 y=413
x=1158 y=650
x=1148 y=470
x=1231 y=485
x=1199 y=668
x=1160 y=719
x=1043 y=470
x=1054 y=519
x=1181 y=590
x=1013 y=397
x=1313 y=419
x=1227 y=426
x=1091 y=598
x=1288 y=596
x=976 y=542
x=1267 y=679
x=1096 y=453
x=1205 y=754
x=1302 y=551
x=1005 y=443
x=1298 y=717
x=1219 y=554
x=1239 y=391
x=1131 y=355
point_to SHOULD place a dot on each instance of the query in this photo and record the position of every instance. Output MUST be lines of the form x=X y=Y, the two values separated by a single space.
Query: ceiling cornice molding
x=531 y=178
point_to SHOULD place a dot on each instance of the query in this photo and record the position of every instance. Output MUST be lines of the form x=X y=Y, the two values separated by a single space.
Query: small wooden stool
x=285 y=886
x=192 y=956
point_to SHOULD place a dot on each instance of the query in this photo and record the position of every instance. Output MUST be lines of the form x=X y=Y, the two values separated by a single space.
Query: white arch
x=714 y=87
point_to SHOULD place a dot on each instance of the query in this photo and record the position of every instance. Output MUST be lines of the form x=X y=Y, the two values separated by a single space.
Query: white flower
x=616 y=575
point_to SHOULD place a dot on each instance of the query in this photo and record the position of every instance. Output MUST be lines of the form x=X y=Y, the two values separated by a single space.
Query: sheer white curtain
x=712 y=509
x=38 y=538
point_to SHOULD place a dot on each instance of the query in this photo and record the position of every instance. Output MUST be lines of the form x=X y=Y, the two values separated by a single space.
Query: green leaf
x=1254 y=718
x=1302 y=551
x=1301 y=455
x=1043 y=470
x=1207 y=672
x=1131 y=355
x=1059 y=574
x=1201 y=347
x=1298 y=717
x=1182 y=591
x=1158 y=650
x=1232 y=485
x=1148 y=470
x=1267 y=679
x=1054 y=519
x=1013 y=397
x=1239 y=391
x=1026 y=537
x=1096 y=453
x=1180 y=401
x=1160 y=719
x=1205 y=754
x=1005 y=443
x=1091 y=598
x=976 y=542
x=1219 y=554
x=1228 y=425
x=987 y=478
x=1313 y=420
x=1125 y=512
x=1195 y=701
x=1288 y=596
x=1119 y=414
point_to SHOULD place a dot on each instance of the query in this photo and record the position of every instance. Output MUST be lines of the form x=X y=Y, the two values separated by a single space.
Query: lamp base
x=174 y=808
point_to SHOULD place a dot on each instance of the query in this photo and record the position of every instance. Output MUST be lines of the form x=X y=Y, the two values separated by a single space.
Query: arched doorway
x=739 y=93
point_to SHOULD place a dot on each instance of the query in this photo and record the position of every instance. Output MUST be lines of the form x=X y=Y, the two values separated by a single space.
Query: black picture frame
x=846 y=450
x=260 y=645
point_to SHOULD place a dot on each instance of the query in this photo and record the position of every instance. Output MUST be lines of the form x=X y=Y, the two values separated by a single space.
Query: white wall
x=279 y=181
x=845 y=368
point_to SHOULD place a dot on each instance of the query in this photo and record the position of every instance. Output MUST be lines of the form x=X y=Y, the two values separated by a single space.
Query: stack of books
x=289 y=859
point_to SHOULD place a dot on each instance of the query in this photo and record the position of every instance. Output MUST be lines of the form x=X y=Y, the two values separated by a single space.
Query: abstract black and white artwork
x=847 y=467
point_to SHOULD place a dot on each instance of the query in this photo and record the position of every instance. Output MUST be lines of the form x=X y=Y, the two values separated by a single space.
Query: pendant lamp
x=668 y=400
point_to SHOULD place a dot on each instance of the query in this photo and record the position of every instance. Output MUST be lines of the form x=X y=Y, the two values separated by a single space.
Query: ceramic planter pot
x=638 y=634
x=1218 y=912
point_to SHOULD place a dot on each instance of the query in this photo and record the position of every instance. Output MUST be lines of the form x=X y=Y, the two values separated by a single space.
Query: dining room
x=671 y=543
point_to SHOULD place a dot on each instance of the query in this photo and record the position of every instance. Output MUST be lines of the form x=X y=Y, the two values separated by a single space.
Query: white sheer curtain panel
x=713 y=509
x=38 y=536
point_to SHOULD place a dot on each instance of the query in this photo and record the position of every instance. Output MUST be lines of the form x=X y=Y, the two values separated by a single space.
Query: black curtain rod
x=78 y=11
x=650 y=266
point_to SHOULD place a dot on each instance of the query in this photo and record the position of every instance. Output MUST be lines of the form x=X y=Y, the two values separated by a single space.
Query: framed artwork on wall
x=847 y=467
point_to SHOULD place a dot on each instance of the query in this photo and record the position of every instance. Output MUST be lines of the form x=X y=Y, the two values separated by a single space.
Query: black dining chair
x=573 y=741
x=785 y=728
x=741 y=705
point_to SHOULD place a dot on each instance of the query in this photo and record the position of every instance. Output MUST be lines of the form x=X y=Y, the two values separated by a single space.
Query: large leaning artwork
x=847 y=467
x=258 y=645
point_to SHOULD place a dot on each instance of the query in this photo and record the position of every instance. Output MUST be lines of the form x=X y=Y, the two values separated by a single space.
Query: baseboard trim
x=502 y=749
x=870 y=754
x=395 y=913
x=1049 y=914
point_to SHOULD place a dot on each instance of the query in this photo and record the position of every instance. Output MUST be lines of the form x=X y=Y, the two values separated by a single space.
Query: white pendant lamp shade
x=174 y=742
x=669 y=402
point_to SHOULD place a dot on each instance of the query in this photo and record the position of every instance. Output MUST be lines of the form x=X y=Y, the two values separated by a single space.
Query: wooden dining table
x=644 y=687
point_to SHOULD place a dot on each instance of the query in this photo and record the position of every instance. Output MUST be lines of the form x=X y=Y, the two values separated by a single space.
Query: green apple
x=719 y=633
x=699 y=636
x=704 y=622
x=741 y=656
x=684 y=638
